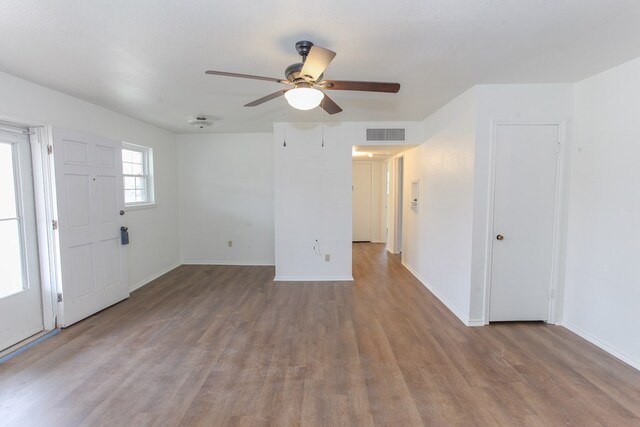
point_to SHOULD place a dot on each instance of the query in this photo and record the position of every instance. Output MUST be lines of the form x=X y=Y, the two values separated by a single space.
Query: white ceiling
x=146 y=58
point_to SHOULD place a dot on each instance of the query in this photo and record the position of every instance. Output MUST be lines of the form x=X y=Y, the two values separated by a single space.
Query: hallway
x=225 y=345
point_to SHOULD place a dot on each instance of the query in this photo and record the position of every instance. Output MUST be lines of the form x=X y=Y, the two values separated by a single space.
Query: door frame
x=39 y=139
x=385 y=203
x=392 y=245
x=398 y=204
x=45 y=206
x=552 y=317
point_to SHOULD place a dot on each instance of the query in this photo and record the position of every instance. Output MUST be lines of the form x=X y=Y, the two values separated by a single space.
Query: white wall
x=312 y=201
x=602 y=291
x=226 y=193
x=154 y=245
x=534 y=103
x=312 y=194
x=445 y=239
x=437 y=235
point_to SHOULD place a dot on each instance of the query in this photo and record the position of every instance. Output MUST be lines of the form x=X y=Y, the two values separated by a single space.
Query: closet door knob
x=500 y=237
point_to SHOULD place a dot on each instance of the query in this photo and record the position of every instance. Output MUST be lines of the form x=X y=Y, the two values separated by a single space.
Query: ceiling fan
x=306 y=83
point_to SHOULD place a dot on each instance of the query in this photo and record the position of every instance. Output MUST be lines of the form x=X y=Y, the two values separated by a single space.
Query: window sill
x=140 y=207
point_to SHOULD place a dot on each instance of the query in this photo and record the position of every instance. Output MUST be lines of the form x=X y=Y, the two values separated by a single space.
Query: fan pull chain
x=322 y=106
x=284 y=132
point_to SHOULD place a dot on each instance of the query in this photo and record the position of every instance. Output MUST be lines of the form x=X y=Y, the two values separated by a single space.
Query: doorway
x=384 y=172
x=525 y=214
x=370 y=192
x=21 y=313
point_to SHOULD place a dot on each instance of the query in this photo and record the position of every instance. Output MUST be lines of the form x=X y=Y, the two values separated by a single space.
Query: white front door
x=20 y=289
x=89 y=196
x=361 y=202
x=523 y=223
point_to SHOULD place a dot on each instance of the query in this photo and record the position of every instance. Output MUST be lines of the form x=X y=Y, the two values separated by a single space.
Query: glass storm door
x=20 y=289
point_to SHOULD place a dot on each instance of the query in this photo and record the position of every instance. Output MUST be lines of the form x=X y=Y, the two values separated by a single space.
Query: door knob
x=500 y=237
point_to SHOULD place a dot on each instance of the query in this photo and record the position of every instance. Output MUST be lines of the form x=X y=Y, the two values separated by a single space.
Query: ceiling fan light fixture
x=201 y=122
x=304 y=98
x=304 y=79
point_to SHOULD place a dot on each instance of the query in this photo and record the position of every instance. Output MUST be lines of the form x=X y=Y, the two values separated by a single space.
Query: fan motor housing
x=293 y=73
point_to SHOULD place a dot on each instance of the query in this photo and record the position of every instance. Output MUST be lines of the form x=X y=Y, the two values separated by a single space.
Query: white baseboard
x=153 y=277
x=241 y=263
x=603 y=345
x=435 y=293
x=313 y=279
x=476 y=322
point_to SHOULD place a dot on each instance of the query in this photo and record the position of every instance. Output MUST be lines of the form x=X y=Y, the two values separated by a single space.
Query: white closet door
x=89 y=194
x=361 y=201
x=523 y=223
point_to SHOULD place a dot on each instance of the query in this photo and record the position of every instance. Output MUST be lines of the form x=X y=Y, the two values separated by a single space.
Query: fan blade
x=317 y=61
x=329 y=105
x=247 y=76
x=360 y=86
x=264 y=99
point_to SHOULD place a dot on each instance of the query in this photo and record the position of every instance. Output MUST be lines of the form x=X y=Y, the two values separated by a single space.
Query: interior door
x=20 y=289
x=523 y=223
x=361 y=201
x=89 y=196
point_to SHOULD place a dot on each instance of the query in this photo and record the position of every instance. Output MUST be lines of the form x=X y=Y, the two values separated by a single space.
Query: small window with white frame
x=137 y=172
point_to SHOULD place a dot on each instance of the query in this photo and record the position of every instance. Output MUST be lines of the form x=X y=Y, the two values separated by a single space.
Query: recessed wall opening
x=377 y=190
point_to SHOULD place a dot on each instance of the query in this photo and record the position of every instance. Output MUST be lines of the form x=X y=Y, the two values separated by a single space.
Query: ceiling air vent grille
x=385 y=134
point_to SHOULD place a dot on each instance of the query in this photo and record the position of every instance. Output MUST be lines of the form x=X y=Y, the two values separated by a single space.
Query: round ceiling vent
x=201 y=122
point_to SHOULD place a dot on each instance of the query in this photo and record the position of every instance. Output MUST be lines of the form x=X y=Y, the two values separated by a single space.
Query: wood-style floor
x=212 y=345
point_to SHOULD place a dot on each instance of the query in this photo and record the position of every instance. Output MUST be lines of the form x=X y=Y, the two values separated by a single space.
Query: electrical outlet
x=327 y=257
x=230 y=243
